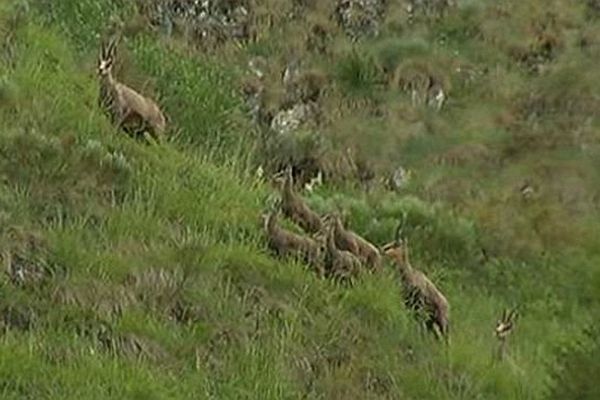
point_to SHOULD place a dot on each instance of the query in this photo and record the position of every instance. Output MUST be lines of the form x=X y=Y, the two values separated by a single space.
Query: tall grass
x=142 y=271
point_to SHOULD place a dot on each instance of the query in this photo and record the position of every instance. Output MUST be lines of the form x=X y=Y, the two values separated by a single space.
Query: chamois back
x=340 y=264
x=295 y=208
x=348 y=240
x=286 y=243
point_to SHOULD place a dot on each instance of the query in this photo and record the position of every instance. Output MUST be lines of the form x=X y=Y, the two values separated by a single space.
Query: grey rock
x=429 y=8
x=289 y=120
x=398 y=179
x=360 y=18
x=206 y=19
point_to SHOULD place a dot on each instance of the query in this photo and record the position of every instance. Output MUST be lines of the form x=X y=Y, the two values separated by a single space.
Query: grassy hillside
x=141 y=271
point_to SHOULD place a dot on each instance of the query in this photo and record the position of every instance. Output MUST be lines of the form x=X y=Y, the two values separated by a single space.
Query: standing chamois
x=419 y=292
x=126 y=108
x=504 y=327
x=286 y=243
x=341 y=265
x=295 y=208
x=348 y=240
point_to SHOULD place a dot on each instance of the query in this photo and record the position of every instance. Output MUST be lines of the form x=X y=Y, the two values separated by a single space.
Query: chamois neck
x=402 y=262
x=270 y=222
x=331 y=242
x=288 y=187
x=337 y=225
x=108 y=79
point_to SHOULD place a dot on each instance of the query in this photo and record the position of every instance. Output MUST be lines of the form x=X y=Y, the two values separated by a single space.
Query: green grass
x=146 y=273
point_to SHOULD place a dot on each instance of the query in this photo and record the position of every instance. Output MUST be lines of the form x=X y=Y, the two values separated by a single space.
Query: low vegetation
x=142 y=270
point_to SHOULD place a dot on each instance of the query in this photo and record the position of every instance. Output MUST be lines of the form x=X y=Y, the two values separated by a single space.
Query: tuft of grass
x=357 y=74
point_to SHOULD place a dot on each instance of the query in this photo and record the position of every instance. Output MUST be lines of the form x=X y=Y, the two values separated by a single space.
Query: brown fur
x=348 y=240
x=296 y=209
x=419 y=291
x=128 y=109
x=341 y=265
x=286 y=243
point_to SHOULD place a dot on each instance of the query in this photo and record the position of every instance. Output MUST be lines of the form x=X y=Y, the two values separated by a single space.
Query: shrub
x=357 y=74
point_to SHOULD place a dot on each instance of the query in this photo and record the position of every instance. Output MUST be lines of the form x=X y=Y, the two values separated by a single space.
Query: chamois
x=341 y=265
x=419 y=291
x=348 y=240
x=504 y=327
x=126 y=108
x=295 y=208
x=286 y=243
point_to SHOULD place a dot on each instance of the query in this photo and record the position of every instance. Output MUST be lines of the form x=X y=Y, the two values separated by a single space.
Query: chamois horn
x=400 y=228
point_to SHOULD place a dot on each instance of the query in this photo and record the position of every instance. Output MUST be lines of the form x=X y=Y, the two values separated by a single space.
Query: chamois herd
x=334 y=251
x=330 y=249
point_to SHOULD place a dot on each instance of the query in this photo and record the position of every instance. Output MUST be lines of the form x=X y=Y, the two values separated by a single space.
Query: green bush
x=357 y=74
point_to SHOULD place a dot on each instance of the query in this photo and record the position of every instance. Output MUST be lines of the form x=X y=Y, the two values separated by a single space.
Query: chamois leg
x=156 y=133
x=441 y=332
x=151 y=137
x=431 y=326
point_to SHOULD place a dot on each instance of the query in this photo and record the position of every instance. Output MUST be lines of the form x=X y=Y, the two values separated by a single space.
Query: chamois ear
x=264 y=215
x=289 y=174
x=108 y=49
x=388 y=246
x=398 y=235
x=279 y=177
x=279 y=174
x=338 y=215
x=103 y=50
x=512 y=315
x=400 y=229
x=112 y=47
x=322 y=235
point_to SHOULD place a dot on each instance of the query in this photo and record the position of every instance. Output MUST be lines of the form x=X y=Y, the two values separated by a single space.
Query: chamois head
x=332 y=218
x=399 y=247
x=505 y=325
x=283 y=176
x=272 y=209
x=327 y=219
x=107 y=57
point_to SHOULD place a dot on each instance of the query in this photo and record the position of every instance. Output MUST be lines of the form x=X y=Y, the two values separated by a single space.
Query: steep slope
x=139 y=271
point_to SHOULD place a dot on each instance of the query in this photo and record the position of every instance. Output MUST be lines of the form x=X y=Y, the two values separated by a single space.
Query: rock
x=215 y=21
x=291 y=72
x=303 y=86
x=436 y=97
x=314 y=182
x=429 y=8
x=258 y=66
x=25 y=272
x=360 y=18
x=319 y=38
x=253 y=88
x=424 y=88
x=289 y=120
x=398 y=179
x=253 y=93
x=17 y=317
